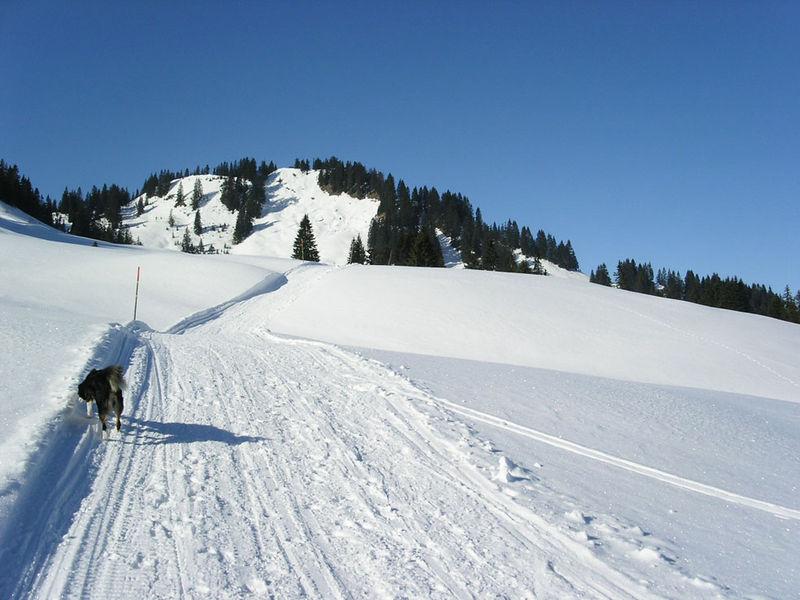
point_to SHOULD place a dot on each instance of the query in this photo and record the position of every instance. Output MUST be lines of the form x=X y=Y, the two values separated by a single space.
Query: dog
x=104 y=388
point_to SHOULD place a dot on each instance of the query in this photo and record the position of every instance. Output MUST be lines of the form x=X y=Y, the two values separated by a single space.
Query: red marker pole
x=136 y=301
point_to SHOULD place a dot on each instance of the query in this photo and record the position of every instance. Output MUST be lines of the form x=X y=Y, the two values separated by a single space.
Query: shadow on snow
x=156 y=432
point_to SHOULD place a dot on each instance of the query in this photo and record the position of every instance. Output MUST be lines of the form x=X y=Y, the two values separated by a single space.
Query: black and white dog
x=104 y=388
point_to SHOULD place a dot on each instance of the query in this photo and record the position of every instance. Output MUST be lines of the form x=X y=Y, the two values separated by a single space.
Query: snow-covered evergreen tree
x=197 y=194
x=186 y=243
x=180 y=199
x=305 y=246
x=357 y=252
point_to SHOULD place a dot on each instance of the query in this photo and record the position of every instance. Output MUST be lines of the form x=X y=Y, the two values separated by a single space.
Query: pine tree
x=674 y=286
x=163 y=181
x=626 y=274
x=229 y=194
x=791 y=310
x=243 y=226
x=691 y=289
x=526 y=242
x=379 y=242
x=197 y=194
x=601 y=277
x=425 y=250
x=180 y=199
x=256 y=198
x=541 y=244
x=186 y=243
x=305 y=246
x=198 y=224
x=357 y=252
x=489 y=256
x=572 y=260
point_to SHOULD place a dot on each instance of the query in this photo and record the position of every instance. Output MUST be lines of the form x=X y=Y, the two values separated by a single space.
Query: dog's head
x=86 y=389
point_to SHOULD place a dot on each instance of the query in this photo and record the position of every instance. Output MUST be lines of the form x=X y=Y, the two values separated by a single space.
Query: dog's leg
x=89 y=410
x=118 y=408
x=105 y=430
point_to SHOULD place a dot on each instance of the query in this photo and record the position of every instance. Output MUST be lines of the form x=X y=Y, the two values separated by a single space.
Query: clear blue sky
x=667 y=132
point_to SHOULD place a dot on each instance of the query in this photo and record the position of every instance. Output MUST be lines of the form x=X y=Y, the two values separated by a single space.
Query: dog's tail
x=115 y=378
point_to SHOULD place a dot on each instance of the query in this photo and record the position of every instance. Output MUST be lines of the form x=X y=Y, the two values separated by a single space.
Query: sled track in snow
x=60 y=477
x=777 y=510
x=256 y=466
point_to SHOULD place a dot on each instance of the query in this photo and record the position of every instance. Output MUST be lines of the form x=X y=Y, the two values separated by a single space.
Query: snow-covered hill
x=291 y=193
x=302 y=430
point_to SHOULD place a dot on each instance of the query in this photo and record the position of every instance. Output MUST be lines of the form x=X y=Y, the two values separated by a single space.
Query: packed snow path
x=253 y=465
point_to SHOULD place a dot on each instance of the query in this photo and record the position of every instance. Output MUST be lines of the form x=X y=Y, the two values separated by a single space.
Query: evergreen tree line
x=730 y=293
x=16 y=190
x=401 y=233
x=245 y=168
x=98 y=215
x=303 y=165
x=403 y=230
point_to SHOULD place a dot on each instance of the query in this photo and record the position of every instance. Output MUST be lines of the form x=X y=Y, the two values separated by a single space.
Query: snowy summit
x=290 y=194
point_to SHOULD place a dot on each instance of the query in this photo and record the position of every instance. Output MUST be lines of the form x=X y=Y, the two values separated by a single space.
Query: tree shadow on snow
x=157 y=432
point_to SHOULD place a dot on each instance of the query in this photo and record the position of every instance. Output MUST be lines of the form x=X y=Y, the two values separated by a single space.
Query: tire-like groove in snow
x=256 y=466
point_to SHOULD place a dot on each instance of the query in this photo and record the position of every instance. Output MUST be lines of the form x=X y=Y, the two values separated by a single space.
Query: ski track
x=250 y=465
x=777 y=510
x=255 y=465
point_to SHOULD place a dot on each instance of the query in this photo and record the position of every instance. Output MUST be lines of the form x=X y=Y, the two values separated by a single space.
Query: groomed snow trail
x=251 y=465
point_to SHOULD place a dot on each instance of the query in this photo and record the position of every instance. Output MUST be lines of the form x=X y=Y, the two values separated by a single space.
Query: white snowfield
x=295 y=430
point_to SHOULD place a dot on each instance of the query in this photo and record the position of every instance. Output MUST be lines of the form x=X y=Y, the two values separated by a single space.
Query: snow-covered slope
x=291 y=193
x=547 y=322
x=300 y=430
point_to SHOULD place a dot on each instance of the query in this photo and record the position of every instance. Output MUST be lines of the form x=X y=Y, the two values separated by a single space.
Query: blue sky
x=667 y=132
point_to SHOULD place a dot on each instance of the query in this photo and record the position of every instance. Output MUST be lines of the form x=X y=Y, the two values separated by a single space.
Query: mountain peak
x=290 y=194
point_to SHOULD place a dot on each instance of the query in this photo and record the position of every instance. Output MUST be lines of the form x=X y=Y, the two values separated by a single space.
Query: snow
x=290 y=193
x=546 y=322
x=451 y=256
x=303 y=430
